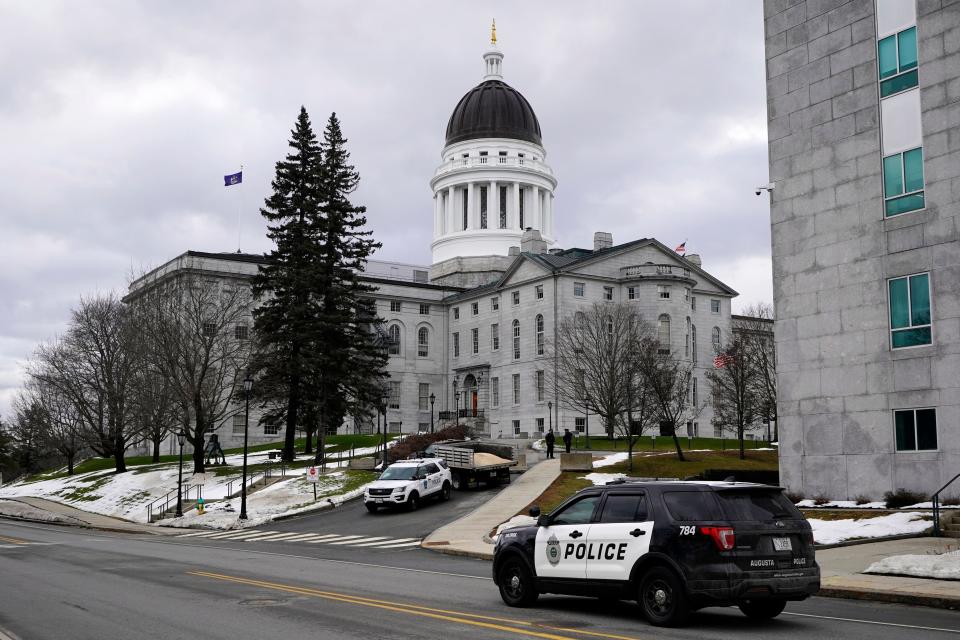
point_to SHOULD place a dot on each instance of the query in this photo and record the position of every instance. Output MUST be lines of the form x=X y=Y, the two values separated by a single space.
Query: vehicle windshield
x=741 y=506
x=399 y=473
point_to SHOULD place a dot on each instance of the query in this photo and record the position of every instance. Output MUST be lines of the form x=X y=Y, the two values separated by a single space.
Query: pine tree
x=317 y=358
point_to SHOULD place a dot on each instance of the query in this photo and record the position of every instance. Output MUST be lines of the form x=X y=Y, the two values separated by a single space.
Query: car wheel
x=445 y=492
x=517 y=587
x=456 y=483
x=372 y=508
x=762 y=609
x=662 y=598
x=413 y=502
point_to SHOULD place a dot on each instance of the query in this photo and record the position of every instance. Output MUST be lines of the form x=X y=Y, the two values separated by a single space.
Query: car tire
x=413 y=502
x=445 y=492
x=764 y=609
x=372 y=508
x=517 y=586
x=662 y=598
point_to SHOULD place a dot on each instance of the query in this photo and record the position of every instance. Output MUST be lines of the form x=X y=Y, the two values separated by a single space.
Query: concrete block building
x=473 y=329
x=863 y=106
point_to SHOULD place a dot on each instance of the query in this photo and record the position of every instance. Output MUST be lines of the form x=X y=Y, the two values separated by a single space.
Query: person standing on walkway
x=567 y=439
x=550 y=439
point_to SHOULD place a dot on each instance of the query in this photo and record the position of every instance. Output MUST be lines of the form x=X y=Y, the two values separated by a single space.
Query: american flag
x=682 y=247
x=721 y=360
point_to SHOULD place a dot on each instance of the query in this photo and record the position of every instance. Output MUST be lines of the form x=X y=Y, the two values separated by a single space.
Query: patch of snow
x=945 y=566
x=841 y=504
x=13 y=509
x=539 y=445
x=603 y=478
x=609 y=460
x=833 y=531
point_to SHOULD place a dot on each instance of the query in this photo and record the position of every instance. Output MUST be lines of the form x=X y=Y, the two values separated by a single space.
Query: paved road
x=61 y=582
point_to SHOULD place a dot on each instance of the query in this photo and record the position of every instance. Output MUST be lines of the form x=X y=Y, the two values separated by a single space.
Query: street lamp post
x=432 y=399
x=181 y=436
x=456 y=404
x=550 y=413
x=247 y=387
x=586 y=420
x=386 y=399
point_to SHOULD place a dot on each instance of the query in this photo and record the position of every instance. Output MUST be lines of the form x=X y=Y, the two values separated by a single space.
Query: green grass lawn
x=660 y=443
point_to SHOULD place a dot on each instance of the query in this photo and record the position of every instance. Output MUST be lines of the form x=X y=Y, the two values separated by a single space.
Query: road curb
x=853 y=543
x=938 y=602
x=454 y=551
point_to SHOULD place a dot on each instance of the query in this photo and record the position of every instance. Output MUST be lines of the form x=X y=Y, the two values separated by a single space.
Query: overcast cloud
x=119 y=119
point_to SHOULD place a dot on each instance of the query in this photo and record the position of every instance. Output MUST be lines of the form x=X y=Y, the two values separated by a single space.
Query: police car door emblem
x=553 y=550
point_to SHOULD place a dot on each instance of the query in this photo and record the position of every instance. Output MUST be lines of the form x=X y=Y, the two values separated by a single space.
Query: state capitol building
x=474 y=328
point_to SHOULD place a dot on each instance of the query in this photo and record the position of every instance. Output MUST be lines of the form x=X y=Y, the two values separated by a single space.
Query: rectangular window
x=693 y=303
x=394 y=427
x=897 y=56
x=424 y=309
x=714 y=306
x=916 y=429
x=910 y=324
x=539 y=289
x=686 y=294
x=516 y=297
x=209 y=329
x=494 y=303
x=419 y=275
x=456 y=345
x=475 y=308
x=241 y=332
x=495 y=337
x=423 y=399
x=580 y=424
x=503 y=200
x=540 y=425
x=540 y=386
x=238 y=424
x=516 y=388
x=394 y=402
x=475 y=335
x=456 y=313
x=663 y=290
x=395 y=306
x=483 y=198
x=632 y=293
x=271 y=429
x=466 y=209
x=903 y=182
x=608 y=293
x=578 y=289
x=516 y=427
x=516 y=340
x=495 y=391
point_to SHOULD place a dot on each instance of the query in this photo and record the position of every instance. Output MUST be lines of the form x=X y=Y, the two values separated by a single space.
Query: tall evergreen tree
x=316 y=359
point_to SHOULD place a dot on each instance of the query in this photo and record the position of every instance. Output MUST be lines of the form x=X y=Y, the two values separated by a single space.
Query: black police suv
x=672 y=546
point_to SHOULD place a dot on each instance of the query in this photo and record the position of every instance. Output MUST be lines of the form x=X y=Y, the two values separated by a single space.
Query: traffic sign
x=312 y=475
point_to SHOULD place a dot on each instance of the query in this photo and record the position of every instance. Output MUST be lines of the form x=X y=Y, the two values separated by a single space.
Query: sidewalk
x=42 y=510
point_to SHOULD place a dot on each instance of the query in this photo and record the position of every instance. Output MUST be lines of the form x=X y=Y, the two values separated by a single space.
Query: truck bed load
x=473 y=454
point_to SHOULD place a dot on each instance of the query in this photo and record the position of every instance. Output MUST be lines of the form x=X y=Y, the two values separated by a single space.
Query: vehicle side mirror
x=535 y=511
x=543 y=521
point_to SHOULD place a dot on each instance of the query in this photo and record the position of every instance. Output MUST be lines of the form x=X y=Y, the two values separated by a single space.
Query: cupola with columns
x=493 y=181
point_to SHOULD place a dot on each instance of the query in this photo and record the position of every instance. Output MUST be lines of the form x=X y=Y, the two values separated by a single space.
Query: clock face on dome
x=493 y=109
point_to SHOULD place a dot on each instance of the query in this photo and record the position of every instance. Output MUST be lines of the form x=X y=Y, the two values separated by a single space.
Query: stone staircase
x=950 y=523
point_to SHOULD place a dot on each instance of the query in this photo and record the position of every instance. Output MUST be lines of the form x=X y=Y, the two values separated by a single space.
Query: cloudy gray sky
x=119 y=119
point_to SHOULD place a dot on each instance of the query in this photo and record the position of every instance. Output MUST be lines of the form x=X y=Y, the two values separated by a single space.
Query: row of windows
x=579 y=291
x=240 y=331
x=396 y=306
x=495 y=338
x=396 y=342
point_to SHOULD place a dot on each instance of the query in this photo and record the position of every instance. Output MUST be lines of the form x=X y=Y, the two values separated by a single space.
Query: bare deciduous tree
x=756 y=324
x=734 y=387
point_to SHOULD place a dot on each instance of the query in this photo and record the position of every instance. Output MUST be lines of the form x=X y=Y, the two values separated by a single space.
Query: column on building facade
x=493 y=206
x=513 y=216
x=535 y=214
x=437 y=216
x=451 y=226
x=550 y=214
x=472 y=220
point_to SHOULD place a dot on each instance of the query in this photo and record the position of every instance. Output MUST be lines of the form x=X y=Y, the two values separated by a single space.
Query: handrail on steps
x=936 y=507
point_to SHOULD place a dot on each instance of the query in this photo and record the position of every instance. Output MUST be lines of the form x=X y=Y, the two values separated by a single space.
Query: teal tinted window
x=919 y=300
x=899 y=303
x=887 y=55
x=898 y=83
x=904 y=204
x=913 y=170
x=910 y=311
x=907 y=54
x=892 y=176
x=926 y=422
x=905 y=430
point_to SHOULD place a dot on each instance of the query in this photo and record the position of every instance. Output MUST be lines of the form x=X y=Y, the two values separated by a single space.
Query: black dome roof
x=493 y=109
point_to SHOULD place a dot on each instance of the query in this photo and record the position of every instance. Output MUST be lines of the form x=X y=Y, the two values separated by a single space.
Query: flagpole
x=239 y=200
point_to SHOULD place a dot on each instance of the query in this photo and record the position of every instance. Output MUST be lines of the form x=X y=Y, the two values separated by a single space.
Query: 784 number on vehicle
x=686 y=530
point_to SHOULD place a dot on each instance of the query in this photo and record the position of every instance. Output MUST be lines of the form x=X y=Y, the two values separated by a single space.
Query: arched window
x=716 y=338
x=539 y=335
x=693 y=342
x=693 y=387
x=423 y=342
x=516 y=339
x=686 y=342
x=663 y=334
x=394 y=333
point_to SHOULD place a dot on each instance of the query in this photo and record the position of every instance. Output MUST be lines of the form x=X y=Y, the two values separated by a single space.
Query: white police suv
x=672 y=546
x=407 y=482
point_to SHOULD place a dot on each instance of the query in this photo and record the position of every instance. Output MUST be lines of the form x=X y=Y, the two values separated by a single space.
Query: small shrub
x=902 y=498
x=820 y=499
x=862 y=499
x=413 y=444
x=794 y=497
x=950 y=501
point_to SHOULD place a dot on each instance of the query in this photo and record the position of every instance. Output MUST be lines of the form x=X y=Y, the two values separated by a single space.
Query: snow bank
x=603 y=478
x=842 y=504
x=834 y=531
x=945 y=566
x=609 y=460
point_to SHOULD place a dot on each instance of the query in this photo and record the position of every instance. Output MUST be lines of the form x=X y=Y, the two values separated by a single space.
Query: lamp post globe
x=181 y=436
x=247 y=388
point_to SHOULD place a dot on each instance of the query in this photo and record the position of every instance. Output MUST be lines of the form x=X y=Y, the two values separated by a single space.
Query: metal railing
x=488 y=161
x=166 y=502
x=655 y=270
x=936 y=507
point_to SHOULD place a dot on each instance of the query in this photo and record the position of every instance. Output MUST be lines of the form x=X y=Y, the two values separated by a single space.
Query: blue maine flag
x=233 y=178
